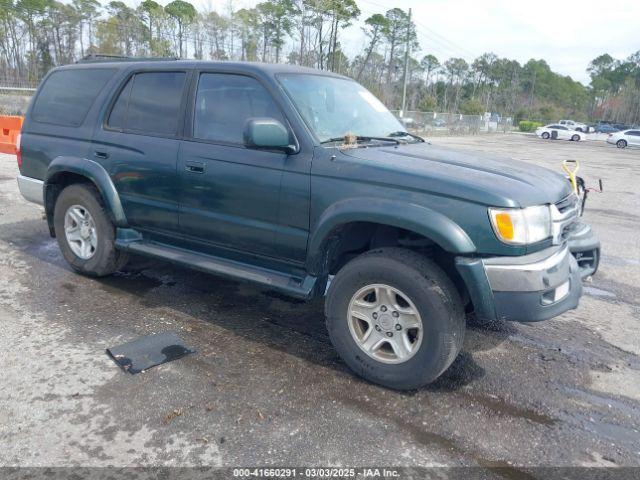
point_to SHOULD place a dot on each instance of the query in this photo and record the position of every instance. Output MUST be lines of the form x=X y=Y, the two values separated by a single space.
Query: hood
x=480 y=178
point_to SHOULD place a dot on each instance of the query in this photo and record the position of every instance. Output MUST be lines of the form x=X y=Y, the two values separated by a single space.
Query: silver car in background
x=560 y=132
x=625 y=138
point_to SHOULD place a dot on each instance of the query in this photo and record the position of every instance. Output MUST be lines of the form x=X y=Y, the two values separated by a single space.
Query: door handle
x=98 y=154
x=194 y=167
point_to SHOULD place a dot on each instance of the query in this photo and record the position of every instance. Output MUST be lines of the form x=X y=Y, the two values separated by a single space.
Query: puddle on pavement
x=69 y=287
x=136 y=283
x=598 y=292
x=620 y=261
x=617 y=433
x=601 y=400
x=429 y=439
x=627 y=216
x=500 y=407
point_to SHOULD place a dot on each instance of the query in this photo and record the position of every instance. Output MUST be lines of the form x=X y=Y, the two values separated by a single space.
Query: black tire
x=545 y=135
x=433 y=294
x=621 y=144
x=575 y=138
x=106 y=259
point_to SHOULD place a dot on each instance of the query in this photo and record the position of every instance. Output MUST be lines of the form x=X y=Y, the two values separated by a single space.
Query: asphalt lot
x=266 y=388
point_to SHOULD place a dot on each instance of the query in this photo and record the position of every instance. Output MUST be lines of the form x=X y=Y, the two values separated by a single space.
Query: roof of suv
x=270 y=69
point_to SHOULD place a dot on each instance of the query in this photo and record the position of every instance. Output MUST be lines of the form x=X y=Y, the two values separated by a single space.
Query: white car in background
x=560 y=132
x=625 y=138
x=573 y=125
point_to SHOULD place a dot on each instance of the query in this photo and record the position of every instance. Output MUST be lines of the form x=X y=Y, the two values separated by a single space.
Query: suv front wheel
x=395 y=318
x=85 y=233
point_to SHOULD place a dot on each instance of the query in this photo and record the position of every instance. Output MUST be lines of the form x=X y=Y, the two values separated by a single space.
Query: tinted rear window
x=149 y=103
x=67 y=96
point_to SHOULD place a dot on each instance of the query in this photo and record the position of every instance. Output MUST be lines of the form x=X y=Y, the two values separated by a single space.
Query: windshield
x=334 y=107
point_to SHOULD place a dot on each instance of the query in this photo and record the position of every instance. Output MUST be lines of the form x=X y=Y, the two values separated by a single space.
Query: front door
x=230 y=194
x=139 y=144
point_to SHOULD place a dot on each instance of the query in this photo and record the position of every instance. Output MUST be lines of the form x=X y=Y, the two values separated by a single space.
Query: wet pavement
x=265 y=386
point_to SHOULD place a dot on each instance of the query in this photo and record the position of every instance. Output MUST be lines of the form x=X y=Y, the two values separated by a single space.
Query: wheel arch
x=65 y=170
x=372 y=215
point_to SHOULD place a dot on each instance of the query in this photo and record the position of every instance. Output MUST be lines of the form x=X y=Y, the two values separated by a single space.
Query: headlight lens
x=521 y=226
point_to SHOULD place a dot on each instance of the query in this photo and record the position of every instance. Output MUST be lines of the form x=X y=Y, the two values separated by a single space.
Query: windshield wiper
x=406 y=134
x=362 y=138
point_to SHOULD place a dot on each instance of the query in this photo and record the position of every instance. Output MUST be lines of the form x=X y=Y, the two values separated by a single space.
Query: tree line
x=37 y=35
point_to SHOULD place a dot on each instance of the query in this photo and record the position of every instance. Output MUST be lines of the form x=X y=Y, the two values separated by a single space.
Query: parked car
x=439 y=122
x=573 y=125
x=559 y=132
x=303 y=182
x=412 y=123
x=604 y=128
x=626 y=138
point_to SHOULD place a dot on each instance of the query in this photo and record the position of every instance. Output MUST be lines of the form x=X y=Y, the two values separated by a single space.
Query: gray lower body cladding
x=532 y=287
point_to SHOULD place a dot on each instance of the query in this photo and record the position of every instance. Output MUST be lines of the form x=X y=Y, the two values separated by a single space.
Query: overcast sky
x=568 y=34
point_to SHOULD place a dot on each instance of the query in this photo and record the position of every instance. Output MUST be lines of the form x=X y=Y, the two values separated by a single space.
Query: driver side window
x=224 y=103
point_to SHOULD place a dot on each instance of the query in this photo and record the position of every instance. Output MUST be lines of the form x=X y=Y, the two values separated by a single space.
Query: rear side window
x=224 y=103
x=149 y=103
x=67 y=95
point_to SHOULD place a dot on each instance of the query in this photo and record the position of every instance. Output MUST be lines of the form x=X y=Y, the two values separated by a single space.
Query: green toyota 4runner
x=302 y=181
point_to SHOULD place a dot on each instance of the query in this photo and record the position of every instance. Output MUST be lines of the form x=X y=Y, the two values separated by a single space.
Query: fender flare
x=96 y=174
x=409 y=216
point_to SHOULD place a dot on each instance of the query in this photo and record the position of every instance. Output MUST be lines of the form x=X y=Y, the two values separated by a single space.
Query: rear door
x=633 y=137
x=62 y=116
x=139 y=141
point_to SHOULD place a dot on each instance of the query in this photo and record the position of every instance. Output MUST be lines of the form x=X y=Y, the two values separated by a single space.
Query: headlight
x=521 y=226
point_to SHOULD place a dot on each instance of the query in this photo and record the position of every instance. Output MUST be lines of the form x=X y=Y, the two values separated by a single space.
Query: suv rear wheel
x=395 y=318
x=85 y=233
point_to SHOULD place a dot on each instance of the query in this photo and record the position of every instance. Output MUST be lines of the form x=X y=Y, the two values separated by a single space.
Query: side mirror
x=267 y=133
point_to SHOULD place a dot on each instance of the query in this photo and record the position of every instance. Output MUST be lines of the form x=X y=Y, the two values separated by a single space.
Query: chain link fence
x=15 y=100
x=15 y=92
x=436 y=123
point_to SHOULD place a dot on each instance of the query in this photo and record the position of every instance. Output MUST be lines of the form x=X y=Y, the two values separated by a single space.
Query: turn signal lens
x=504 y=226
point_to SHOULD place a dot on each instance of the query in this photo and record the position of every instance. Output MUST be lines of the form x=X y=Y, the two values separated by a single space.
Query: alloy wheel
x=385 y=323
x=80 y=232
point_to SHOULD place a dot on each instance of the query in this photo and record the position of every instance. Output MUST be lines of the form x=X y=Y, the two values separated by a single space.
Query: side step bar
x=294 y=286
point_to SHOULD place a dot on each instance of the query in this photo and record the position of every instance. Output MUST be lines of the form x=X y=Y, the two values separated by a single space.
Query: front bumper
x=533 y=287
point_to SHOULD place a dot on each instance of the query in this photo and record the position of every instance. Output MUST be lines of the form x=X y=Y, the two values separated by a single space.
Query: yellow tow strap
x=572 y=167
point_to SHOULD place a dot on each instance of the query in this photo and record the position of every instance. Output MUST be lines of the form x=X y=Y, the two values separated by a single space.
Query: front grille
x=567 y=203
x=564 y=215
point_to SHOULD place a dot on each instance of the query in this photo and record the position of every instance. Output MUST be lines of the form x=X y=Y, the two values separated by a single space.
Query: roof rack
x=104 y=57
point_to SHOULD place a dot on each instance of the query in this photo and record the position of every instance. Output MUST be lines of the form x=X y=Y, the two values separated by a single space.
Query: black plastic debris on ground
x=149 y=351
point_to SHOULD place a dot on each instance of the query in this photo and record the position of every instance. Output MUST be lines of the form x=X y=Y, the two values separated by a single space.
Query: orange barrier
x=9 y=129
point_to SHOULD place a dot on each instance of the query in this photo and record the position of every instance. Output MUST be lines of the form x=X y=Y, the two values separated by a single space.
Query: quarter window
x=67 y=95
x=149 y=103
x=225 y=102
